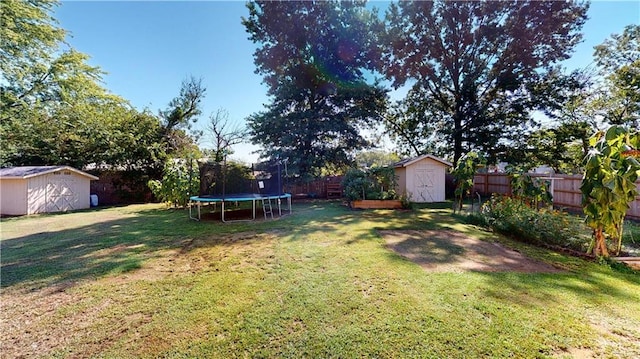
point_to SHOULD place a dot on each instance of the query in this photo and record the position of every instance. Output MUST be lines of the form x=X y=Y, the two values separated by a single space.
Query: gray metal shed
x=42 y=189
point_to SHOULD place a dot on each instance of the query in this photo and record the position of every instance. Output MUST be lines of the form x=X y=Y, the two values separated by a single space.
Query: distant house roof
x=25 y=172
x=410 y=161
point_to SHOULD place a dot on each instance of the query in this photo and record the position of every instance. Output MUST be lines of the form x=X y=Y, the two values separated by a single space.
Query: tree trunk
x=600 y=245
x=457 y=139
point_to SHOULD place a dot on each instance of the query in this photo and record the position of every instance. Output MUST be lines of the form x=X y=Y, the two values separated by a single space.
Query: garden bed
x=377 y=204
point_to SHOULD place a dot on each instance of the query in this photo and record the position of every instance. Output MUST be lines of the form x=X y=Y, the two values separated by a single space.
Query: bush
x=179 y=181
x=376 y=183
x=406 y=202
x=515 y=218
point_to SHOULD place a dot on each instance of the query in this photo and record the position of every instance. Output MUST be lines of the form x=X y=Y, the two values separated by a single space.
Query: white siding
x=424 y=180
x=56 y=192
x=401 y=174
x=13 y=197
x=37 y=194
x=63 y=190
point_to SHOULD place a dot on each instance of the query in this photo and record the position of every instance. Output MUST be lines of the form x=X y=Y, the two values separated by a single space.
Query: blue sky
x=148 y=47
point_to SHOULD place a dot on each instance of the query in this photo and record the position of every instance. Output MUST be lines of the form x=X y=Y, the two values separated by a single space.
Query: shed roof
x=410 y=161
x=24 y=172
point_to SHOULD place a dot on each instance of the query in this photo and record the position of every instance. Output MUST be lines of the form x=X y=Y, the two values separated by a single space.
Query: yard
x=143 y=281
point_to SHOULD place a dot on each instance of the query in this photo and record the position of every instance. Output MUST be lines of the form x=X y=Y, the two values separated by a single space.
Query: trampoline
x=265 y=200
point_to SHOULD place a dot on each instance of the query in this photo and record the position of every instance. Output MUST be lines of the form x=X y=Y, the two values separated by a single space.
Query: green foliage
x=38 y=74
x=406 y=202
x=182 y=112
x=53 y=108
x=516 y=219
x=313 y=56
x=375 y=158
x=619 y=61
x=225 y=177
x=375 y=183
x=473 y=67
x=608 y=186
x=561 y=147
x=180 y=180
x=108 y=133
x=532 y=191
x=463 y=173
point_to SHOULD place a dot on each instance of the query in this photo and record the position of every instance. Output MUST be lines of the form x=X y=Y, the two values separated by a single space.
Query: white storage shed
x=422 y=178
x=42 y=189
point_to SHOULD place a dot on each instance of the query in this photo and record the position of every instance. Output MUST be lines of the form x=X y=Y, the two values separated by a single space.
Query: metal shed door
x=424 y=184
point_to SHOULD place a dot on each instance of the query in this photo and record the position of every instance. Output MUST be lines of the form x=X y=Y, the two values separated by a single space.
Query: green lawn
x=142 y=281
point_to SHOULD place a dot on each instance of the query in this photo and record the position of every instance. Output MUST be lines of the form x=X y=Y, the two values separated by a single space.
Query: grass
x=142 y=281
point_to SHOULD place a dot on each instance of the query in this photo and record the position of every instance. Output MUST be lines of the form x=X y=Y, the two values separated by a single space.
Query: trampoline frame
x=238 y=197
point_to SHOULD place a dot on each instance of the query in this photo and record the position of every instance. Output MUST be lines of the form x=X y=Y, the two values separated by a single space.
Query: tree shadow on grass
x=593 y=285
x=509 y=278
x=596 y=283
x=50 y=258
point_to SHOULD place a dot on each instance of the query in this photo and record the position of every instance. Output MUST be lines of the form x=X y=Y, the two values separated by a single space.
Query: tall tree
x=182 y=112
x=37 y=70
x=53 y=108
x=563 y=142
x=375 y=158
x=619 y=61
x=314 y=56
x=223 y=134
x=472 y=65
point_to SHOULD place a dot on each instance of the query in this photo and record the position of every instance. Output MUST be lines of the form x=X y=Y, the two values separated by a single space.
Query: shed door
x=60 y=192
x=425 y=184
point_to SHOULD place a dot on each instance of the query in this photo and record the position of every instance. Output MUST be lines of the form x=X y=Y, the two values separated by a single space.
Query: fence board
x=317 y=188
x=566 y=190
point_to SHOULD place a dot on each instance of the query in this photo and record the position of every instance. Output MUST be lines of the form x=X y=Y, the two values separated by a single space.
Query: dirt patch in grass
x=451 y=251
x=64 y=319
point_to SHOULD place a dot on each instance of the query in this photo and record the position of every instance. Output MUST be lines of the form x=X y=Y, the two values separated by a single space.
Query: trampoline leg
x=279 y=207
x=190 y=215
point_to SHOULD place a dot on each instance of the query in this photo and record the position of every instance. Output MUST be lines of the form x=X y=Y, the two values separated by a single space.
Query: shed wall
x=56 y=192
x=424 y=181
x=13 y=197
x=401 y=174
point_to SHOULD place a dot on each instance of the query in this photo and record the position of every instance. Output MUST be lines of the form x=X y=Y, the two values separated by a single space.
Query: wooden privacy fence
x=324 y=187
x=565 y=189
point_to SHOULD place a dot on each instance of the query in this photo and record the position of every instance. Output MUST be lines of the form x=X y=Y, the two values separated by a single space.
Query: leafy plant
x=405 y=200
x=532 y=191
x=608 y=185
x=376 y=183
x=463 y=174
x=181 y=178
x=516 y=218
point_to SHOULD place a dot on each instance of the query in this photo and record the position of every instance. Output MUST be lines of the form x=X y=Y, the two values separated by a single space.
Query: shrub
x=406 y=202
x=376 y=183
x=515 y=218
x=180 y=180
